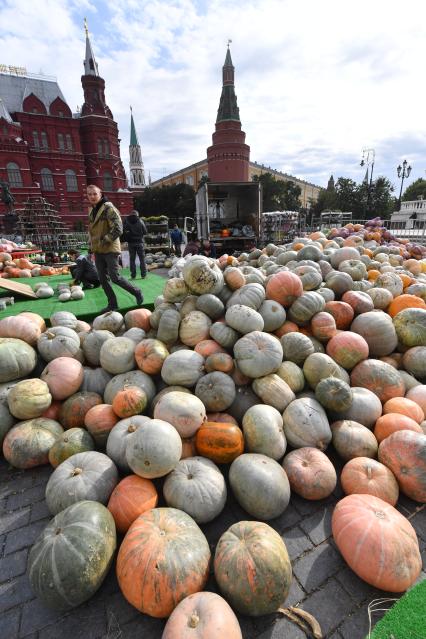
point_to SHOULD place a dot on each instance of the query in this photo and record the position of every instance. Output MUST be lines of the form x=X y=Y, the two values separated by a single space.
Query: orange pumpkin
x=99 y=421
x=377 y=542
x=150 y=355
x=219 y=362
x=220 y=442
x=342 y=312
x=347 y=349
x=284 y=287
x=287 y=327
x=406 y=407
x=47 y=270
x=323 y=326
x=380 y=378
x=129 y=499
x=139 y=318
x=393 y=422
x=34 y=317
x=373 y=274
x=208 y=346
x=366 y=476
x=404 y=453
x=405 y=301
x=129 y=401
x=310 y=473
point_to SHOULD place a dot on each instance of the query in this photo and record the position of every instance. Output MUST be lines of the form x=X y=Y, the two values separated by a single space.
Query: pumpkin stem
x=50 y=335
x=194 y=620
x=369 y=472
x=76 y=471
x=131 y=428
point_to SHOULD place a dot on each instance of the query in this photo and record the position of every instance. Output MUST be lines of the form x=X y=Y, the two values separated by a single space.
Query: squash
x=339 y=282
x=20 y=327
x=244 y=319
x=208 y=347
x=63 y=318
x=72 y=556
x=365 y=409
x=74 y=409
x=234 y=278
x=351 y=439
x=310 y=473
x=378 y=331
x=263 y=431
x=74 y=440
x=410 y=326
x=219 y=362
x=90 y=475
x=154 y=450
x=95 y=380
x=319 y=366
x=402 y=302
x=135 y=334
x=292 y=375
x=118 y=437
x=306 y=424
x=359 y=300
x=296 y=347
x=377 y=542
x=64 y=376
x=245 y=550
x=342 y=312
x=414 y=361
x=138 y=318
x=210 y=305
x=164 y=558
x=131 y=497
x=132 y=378
x=381 y=297
x=406 y=407
x=334 y=394
x=221 y=442
x=92 y=343
x=404 y=454
x=251 y=295
x=197 y=487
x=418 y=394
x=323 y=326
x=44 y=292
x=99 y=420
x=29 y=398
x=110 y=321
x=216 y=391
x=175 y=290
x=273 y=315
x=224 y=335
x=27 y=444
x=348 y=349
x=182 y=368
x=257 y=354
x=392 y=422
x=340 y=255
x=390 y=281
x=58 y=341
x=381 y=378
x=202 y=275
x=362 y=475
x=117 y=355
x=150 y=355
x=131 y=400
x=194 y=328
x=273 y=390
x=284 y=287
x=185 y=412
x=203 y=615
x=305 y=307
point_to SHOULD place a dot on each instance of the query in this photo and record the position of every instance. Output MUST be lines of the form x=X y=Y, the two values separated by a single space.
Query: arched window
x=14 y=174
x=35 y=139
x=47 y=182
x=106 y=148
x=69 y=141
x=100 y=148
x=61 y=144
x=44 y=143
x=107 y=181
x=71 y=180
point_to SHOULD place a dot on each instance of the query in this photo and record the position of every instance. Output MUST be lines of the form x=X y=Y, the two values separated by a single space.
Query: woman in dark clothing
x=193 y=247
x=134 y=230
x=208 y=249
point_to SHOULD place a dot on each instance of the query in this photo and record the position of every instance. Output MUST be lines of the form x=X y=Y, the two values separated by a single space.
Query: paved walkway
x=322 y=583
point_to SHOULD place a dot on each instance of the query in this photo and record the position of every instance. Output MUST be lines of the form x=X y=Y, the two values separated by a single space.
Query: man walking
x=177 y=240
x=105 y=229
x=133 y=231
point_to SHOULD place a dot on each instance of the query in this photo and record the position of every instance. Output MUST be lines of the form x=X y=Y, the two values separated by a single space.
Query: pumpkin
x=244 y=319
x=414 y=361
x=296 y=347
x=362 y=475
x=27 y=444
x=216 y=391
x=339 y=282
x=378 y=331
x=20 y=327
x=208 y=347
x=72 y=556
x=29 y=398
x=219 y=362
x=404 y=406
x=202 y=275
x=221 y=442
x=175 y=290
x=273 y=390
x=379 y=377
x=390 y=281
x=117 y=355
x=310 y=473
x=284 y=287
x=183 y=368
x=164 y=558
x=35 y=318
x=260 y=485
x=224 y=335
x=252 y=568
x=287 y=327
x=418 y=394
x=403 y=453
x=392 y=422
x=263 y=431
x=150 y=355
x=305 y=307
x=251 y=295
x=74 y=409
x=323 y=326
x=138 y=318
x=110 y=321
x=74 y=440
x=131 y=497
x=185 y=412
x=306 y=424
x=333 y=394
x=118 y=437
x=197 y=487
x=402 y=302
x=135 y=334
x=99 y=420
x=95 y=380
x=348 y=349
x=194 y=328
x=154 y=450
x=292 y=375
x=92 y=343
x=365 y=409
x=203 y=615
x=257 y=354
x=342 y=312
x=319 y=366
x=351 y=439
x=377 y=542
x=210 y=305
x=90 y=475
x=234 y=278
x=63 y=318
x=273 y=315
x=381 y=297
x=131 y=400
x=410 y=326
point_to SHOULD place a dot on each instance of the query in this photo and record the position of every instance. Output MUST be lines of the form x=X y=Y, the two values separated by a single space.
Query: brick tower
x=229 y=157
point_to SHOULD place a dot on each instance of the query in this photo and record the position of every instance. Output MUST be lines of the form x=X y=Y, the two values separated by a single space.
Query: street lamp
x=368 y=158
x=403 y=172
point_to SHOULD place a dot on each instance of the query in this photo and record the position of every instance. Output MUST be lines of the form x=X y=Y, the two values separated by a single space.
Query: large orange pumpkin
x=310 y=473
x=381 y=378
x=129 y=499
x=404 y=452
x=138 y=318
x=391 y=423
x=405 y=301
x=363 y=475
x=347 y=349
x=220 y=442
x=284 y=287
x=342 y=312
x=164 y=558
x=377 y=542
x=404 y=406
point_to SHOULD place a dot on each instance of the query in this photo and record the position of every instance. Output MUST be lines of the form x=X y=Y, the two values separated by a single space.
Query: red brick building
x=47 y=150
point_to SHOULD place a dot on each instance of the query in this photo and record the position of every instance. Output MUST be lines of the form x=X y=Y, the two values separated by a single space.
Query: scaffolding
x=39 y=223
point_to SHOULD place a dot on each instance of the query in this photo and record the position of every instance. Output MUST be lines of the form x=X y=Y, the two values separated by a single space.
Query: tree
x=278 y=195
x=348 y=196
x=362 y=200
x=175 y=201
x=382 y=202
x=415 y=189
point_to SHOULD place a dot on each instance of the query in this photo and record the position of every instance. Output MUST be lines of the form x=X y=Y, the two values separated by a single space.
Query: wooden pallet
x=16 y=287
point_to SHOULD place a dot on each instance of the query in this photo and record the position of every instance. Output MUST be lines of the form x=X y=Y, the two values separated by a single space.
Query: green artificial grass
x=94 y=299
x=406 y=619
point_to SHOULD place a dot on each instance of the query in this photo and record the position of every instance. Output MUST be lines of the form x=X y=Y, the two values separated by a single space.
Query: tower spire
x=90 y=64
x=137 y=171
x=228 y=107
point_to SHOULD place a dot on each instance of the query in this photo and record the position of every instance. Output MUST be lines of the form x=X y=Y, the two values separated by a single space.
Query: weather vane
x=229 y=42
x=86 y=27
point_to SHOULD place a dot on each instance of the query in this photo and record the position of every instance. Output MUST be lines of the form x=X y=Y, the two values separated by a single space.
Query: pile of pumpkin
x=294 y=346
x=22 y=267
x=157 y=260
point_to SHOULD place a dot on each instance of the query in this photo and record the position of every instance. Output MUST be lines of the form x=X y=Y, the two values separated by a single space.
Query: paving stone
x=283 y=628
x=118 y=610
x=358 y=589
x=141 y=627
x=357 y=624
x=288 y=519
x=13 y=565
x=25 y=498
x=41 y=474
x=318 y=525
x=419 y=523
x=24 y=537
x=39 y=511
x=10 y=624
x=17 y=519
x=305 y=506
x=35 y=615
x=15 y=592
x=9 y=485
x=317 y=566
x=295 y=594
x=330 y=606
x=86 y=621
x=296 y=542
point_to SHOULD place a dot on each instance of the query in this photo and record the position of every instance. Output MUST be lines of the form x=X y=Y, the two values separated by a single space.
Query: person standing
x=105 y=229
x=134 y=230
x=177 y=240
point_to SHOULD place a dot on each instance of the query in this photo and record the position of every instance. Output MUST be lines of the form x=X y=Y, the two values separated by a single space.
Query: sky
x=317 y=81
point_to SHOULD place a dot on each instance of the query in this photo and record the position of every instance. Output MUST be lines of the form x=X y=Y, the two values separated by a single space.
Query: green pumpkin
x=74 y=440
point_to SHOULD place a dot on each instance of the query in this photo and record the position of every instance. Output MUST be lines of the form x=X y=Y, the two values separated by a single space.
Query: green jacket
x=105 y=228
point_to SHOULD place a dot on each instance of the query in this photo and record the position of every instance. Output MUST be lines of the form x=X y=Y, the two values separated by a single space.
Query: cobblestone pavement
x=322 y=583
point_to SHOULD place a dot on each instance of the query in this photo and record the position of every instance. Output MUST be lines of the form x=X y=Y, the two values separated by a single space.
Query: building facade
x=46 y=150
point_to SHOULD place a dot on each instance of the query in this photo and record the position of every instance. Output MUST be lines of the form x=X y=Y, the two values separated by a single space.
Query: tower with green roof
x=137 y=172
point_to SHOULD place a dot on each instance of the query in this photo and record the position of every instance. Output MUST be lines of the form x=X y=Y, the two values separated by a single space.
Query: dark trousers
x=139 y=250
x=177 y=248
x=107 y=267
x=85 y=278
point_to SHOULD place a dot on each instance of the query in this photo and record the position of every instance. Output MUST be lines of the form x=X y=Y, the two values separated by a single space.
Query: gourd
x=131 y=497
x=63 y=318
x=219 y=441
x=110 y=321
x=251 y=295
x=194 y=328
x=296 y=347
x=154 y=450
x=365 y=409
x=224 y=335
x=183 y=368
x=150 y=355
x=92 y=344
x=117 y=355
x=284 y=287
x=244 y=319
x=99 y=421
x=273 y=390
x=263 y=431
x=184 y=411
x=58 y=341
x=74 y=440
x=95 y=380
x=379 y=377
x=20 y=327
x=348 y=349
x=378 y=331
x=334 y=394
x=175 y=290
x=292 y=375
x=216 y=391
x=45 y=292
x=27 y=444
x=306 y=424
x=118 y=437
x=138 y=318
x=210 y=305
x=273 y=315
x=362 y=475
x=351 y=439
x=29 y=398
x=403 y=453
x=310 y=473
x=64 y=376
x=77 y=294
x=258 y=354
x=74 y=409
x=202 y=275
x=132 y=400
x=132 y=378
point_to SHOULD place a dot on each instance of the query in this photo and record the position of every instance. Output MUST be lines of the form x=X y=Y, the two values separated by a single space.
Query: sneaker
x=88 y=286
x=108 y=309
x=143 y=277
x=139 y=297
x=133 y=277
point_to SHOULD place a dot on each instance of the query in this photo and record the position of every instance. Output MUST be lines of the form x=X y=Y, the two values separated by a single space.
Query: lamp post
x=403 y=172
x=368 y=158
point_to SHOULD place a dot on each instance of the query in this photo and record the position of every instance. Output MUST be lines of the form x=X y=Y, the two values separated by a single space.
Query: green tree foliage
x=364 y=202
x=278 y=195
x=175 y=201
x=415 y=189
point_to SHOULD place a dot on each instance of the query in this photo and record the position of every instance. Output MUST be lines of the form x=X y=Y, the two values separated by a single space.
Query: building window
x=14 y=174
x=36 y=140
x=69 y=141
x=106 y=148
x=190 y=180
x=47 y=182
x=44 y=144
x=61 y=114
x=61 y=144
x=71 y=180
x=35 y=110
x=107 y=182
x=100 y=149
